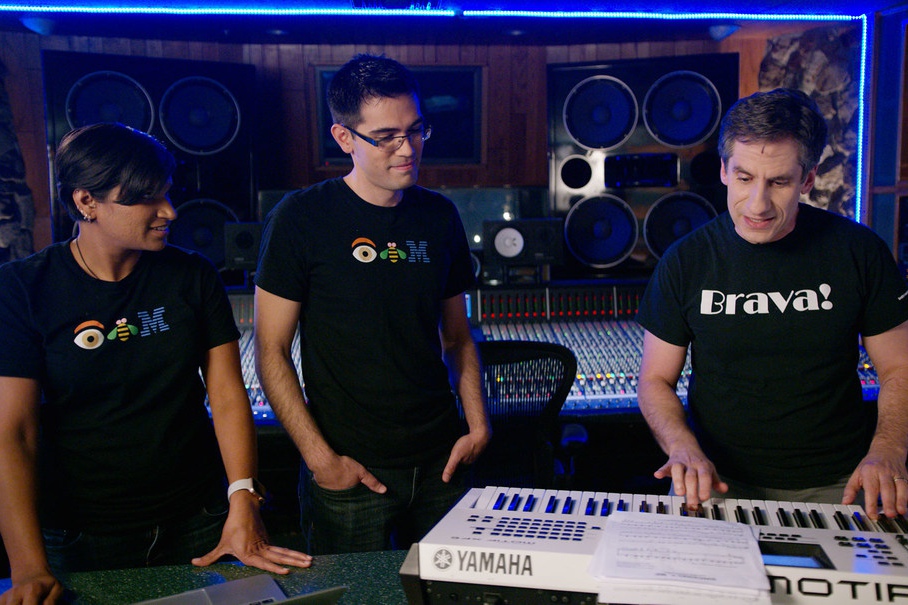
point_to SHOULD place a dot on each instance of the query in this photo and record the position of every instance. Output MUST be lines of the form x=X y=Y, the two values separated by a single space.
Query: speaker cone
x=672 y=217
x=600 y=112
x=200 y=227
x=200 y=115
x=682 y=108
x=509 y=242
x=576 y=172
x=601 y=231
x=109 y=96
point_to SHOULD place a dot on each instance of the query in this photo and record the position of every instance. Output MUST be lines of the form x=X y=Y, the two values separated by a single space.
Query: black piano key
x=606 y=508
x=741 y=515
x=717 y=513
x=887 y=525
x=552 y=504
x=499 y=502
x=568 y=506
x=859 y=521
x=515 y=503
x=644 y=507
x=622 y=505
x=697 y=512
x=531 y=500
x=784 y=518
x=817 y=519
x=590 y=507
x=800 y=518
x=759 y=516
x=661 y=509
x=902 y=524
x=842 y=521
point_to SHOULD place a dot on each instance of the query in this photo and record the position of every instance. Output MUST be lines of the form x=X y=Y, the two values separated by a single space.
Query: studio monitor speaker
x=624 y=135
x=200 y=110
x=529 y=242
x=243 y=241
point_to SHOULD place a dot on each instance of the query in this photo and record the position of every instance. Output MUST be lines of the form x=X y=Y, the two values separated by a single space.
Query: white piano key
x=553 y=500
x=470 y=499
x=760 y=514
x=575 y=503
x=772 y=513
x=488 y=497
x=590 y=504
x=523 y=496
x=836 y=517
x=738 y=511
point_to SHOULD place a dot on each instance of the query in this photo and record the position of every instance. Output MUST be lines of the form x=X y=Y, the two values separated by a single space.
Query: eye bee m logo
x=365 y=251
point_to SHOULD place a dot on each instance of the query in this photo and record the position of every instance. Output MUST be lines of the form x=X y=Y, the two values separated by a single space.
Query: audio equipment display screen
x=793 y=554
x=451 y=100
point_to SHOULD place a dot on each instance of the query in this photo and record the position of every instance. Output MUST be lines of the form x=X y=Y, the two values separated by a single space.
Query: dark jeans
x=360 y=520
x=171 y=543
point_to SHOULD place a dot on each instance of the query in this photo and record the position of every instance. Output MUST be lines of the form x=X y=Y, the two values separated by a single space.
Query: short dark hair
x=100 y=157
x=779 y=114
x=367 y=77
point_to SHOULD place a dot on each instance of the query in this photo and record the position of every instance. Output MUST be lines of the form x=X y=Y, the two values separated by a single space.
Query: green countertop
x=371 y=579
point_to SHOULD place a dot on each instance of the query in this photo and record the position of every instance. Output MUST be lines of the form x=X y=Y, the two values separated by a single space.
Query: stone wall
x=824 y=63
x=17 y=208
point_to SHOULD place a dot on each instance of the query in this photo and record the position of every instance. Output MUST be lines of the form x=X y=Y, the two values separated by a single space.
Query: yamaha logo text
x=487 y=562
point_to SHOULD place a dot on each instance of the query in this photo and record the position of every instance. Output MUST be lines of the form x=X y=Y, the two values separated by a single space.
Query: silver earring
x=87 y=218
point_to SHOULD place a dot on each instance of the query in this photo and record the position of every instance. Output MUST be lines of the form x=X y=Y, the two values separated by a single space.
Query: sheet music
x=675 y=560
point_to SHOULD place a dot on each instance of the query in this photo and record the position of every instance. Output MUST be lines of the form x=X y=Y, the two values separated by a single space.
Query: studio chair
x=525 y=383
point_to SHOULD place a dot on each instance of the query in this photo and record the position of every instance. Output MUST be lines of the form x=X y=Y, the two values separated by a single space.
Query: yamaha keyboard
x=523 y=546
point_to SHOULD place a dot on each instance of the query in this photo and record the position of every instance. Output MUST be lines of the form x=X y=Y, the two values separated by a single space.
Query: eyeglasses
x=393 y=143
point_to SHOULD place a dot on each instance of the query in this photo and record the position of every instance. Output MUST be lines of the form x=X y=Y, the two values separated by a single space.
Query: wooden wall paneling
x=628 y=50
x=341 y=53
x=447 y=54
x=498 y=108
x=750 y=57
x=530 y=115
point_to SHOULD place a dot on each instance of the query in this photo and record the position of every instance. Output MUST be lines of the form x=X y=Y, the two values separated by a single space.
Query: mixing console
x=594 y=321
x=261 y=409
x=608 y=359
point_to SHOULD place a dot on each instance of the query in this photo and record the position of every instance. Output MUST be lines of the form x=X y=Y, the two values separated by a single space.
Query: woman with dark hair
x=111 y=341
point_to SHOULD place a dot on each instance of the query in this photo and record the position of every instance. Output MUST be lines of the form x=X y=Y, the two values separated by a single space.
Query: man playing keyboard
x=773 y=298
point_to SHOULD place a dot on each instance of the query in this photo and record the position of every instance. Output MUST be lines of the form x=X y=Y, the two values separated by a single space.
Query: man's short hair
x=366 y=77
x=779 y=114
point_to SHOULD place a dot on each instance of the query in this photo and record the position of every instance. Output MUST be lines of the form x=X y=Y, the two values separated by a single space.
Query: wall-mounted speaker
x=601 y=231
x=673 y=216
x=200 y=110
x=623 y=136
x=201 y=226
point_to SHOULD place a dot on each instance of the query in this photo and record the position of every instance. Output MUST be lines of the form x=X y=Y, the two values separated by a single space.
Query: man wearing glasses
x=372 y=269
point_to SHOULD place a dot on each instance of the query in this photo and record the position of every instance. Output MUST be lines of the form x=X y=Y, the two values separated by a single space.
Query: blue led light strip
x=226 y=11
x=859 y=179
x=644 y=15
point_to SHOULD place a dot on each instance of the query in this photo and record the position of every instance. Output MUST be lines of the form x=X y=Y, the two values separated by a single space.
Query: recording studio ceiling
x=662 y=21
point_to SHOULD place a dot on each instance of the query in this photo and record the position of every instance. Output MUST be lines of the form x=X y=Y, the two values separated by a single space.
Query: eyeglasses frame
x=426 y=133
